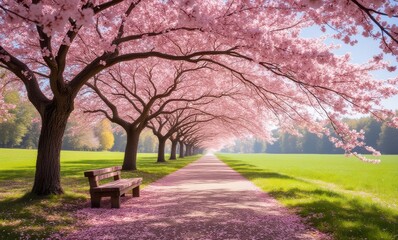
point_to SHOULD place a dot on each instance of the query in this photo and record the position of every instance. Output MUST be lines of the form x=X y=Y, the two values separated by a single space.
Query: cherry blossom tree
x=194 y=140
x=225 y=118
x=163 y=129
x=54 y=48
x=130 y=95
x=180 y=123
x=174 y=139
x=373 y=19
x=167 y=126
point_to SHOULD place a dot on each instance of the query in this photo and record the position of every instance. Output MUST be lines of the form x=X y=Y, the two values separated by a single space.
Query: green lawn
x=22 y=213
x=342 y=196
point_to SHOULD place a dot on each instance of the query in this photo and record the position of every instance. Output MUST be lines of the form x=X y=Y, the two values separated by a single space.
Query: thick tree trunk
x=130 y=153
x=162 y=144
x=48 y=170
x=181 y=150
x=173 y=153
x=188 y=152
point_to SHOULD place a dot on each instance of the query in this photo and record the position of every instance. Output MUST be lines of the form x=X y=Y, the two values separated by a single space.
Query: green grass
x=21 y=213
x=341 y=196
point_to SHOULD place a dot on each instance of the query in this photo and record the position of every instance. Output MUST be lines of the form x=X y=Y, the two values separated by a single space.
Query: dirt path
x=204 y=200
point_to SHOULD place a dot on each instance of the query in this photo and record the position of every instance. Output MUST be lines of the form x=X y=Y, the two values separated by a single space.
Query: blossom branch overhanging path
x=46 y=41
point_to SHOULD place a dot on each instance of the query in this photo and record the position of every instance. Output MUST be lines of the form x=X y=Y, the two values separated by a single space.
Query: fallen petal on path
x=204 y=200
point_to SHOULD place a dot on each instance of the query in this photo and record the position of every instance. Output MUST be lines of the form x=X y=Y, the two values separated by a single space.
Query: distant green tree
x=149 y=144
x=120 y=141
x=14 y=129
x=237 y=148
x=310 y=143
x=388 y=141
x=275 y=146
x=377 y=135
x=71 y=139
x=226 y=149
x=326 y=146
x=31 y=138
x=289 y=143
x=372 y=132
x=258 y=146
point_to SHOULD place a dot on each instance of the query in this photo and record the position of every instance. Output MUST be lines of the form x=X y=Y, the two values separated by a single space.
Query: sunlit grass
x=21 y=213
x=338 y=195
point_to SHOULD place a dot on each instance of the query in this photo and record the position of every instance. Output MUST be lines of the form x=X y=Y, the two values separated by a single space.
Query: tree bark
x=48 y=170
x=162 y=144
x=130 y=153
x=181 y=149
x=173 y=153
x=188 y=151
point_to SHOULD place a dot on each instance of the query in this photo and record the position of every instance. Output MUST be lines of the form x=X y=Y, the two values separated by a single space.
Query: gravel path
x=204 y=200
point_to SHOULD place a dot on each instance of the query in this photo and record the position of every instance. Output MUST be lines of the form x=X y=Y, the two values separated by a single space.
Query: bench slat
x=96 y=172
x=118 y=185
x=108 y=175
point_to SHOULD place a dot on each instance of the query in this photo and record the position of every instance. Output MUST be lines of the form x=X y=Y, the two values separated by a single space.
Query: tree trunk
x=48 y=170
x=173 y=153
x=181 y=150
x=162 y=144
x=130 y=153
x=188 y=152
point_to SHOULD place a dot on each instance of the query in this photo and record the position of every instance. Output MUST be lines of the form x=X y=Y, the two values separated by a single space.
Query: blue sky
x=365 y=49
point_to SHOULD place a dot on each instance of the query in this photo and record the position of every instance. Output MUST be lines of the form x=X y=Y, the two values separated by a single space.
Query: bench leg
x=115 y=201
x=95 y=201
x=136 y=191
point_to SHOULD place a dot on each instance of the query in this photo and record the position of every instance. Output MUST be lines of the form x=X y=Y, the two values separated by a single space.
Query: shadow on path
x=205 y=200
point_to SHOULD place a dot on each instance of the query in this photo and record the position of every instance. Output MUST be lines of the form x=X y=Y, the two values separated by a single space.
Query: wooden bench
x=115 y=189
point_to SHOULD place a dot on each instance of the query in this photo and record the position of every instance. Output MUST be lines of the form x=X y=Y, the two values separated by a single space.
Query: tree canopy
x=55 y=48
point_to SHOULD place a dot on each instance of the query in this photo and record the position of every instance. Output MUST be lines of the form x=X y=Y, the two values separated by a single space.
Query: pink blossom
x=391 y=68
x=204 y=200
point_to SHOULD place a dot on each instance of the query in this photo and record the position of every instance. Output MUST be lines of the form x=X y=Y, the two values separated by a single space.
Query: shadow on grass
x=255 y=172
x=37 y=217
x=344 y=216
x=77 y=167
x=22 y=213
x=351 y=218
x=300 y=193
x=17 y=174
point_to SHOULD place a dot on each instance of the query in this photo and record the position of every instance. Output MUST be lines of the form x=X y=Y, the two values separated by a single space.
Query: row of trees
x=21 y=129
x=148 y=142
x=377 y=134
x=172 y=65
